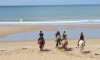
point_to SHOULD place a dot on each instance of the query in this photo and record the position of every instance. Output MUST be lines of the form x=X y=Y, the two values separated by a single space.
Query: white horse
x=81 y=45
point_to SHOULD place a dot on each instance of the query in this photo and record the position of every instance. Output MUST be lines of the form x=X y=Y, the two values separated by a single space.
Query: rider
x=64 y=35
x=41 y=38
x=41 y=34
x=57 y=33
x=81 y=38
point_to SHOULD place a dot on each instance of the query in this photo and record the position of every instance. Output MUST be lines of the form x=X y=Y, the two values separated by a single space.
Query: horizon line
x=55 y=5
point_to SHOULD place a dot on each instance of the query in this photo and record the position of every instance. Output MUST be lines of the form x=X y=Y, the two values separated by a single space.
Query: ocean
x=53 y=15
x=68 y=14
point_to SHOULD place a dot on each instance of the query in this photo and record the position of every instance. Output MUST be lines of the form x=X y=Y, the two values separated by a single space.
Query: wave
x=21 y=22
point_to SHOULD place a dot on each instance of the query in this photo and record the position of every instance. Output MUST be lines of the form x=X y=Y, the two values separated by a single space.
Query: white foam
x=53 y=22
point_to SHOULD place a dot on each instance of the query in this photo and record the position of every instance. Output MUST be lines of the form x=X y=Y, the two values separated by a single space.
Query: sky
x=47 y=2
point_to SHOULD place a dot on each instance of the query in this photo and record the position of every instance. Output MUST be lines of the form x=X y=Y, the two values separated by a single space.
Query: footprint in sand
x=2 y=50
x=22 y=49
x=96 y=54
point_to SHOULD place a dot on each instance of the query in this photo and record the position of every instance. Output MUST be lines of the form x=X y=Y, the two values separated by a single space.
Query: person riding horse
x=58 y=38
x=41 y=41
x=64 y=35
x=81 y=38
x=64 y=41
x=41 y=34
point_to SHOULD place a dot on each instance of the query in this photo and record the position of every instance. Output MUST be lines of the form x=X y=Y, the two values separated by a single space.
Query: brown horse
x=41 y=43
x=64 y=43
x=58 y=39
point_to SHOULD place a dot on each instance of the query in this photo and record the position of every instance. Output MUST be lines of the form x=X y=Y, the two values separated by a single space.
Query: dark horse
x=41 y=43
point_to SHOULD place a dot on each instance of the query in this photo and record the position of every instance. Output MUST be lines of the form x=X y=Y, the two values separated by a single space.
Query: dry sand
x=29 y=50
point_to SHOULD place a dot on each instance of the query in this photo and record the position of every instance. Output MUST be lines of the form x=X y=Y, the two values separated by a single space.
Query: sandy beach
x=11 y=29
x=29 y=50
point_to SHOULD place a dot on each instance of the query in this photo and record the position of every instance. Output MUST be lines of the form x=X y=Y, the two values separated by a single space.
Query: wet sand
x=5 y=30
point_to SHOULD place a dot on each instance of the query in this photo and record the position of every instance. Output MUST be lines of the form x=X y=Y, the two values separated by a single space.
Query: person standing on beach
x=41 y=41
x=81 y=38
x=58 y=38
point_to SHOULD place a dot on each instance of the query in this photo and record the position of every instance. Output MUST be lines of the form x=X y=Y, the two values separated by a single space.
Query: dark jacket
x=41 y=34
x=81 y=38
x=58 y=33
x=64 y=36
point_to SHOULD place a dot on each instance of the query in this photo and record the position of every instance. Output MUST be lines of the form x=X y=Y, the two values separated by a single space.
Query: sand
x=29 y=50
x=11 y=29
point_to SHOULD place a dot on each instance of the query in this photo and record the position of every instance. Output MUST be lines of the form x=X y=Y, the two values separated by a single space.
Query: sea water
x=50 y=14
x=54 y=15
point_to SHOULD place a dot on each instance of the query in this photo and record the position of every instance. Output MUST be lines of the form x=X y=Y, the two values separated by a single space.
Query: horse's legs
x=40 y=47
x=57 y=44
x=81 y=49
x=65 y=46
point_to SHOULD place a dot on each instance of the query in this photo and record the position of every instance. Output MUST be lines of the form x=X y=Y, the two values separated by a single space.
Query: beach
x=29 y=49
x=10 y=29
x=20 y=27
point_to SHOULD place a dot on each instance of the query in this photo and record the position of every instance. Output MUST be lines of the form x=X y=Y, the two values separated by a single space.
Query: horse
x=81 y=45
x=64 y=43
x=41 y=43
x=58 y=39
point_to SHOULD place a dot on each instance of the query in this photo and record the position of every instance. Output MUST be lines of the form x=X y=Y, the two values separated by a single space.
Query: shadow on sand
x=67 y=49
x=96 y=54
x=85 y=52
x=46 y=50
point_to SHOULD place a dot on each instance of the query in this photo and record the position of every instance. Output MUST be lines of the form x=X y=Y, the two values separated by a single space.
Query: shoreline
x=73 y=31
x=71 y=39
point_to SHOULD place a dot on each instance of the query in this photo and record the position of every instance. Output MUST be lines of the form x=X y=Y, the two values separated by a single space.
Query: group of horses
x=60 y=43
